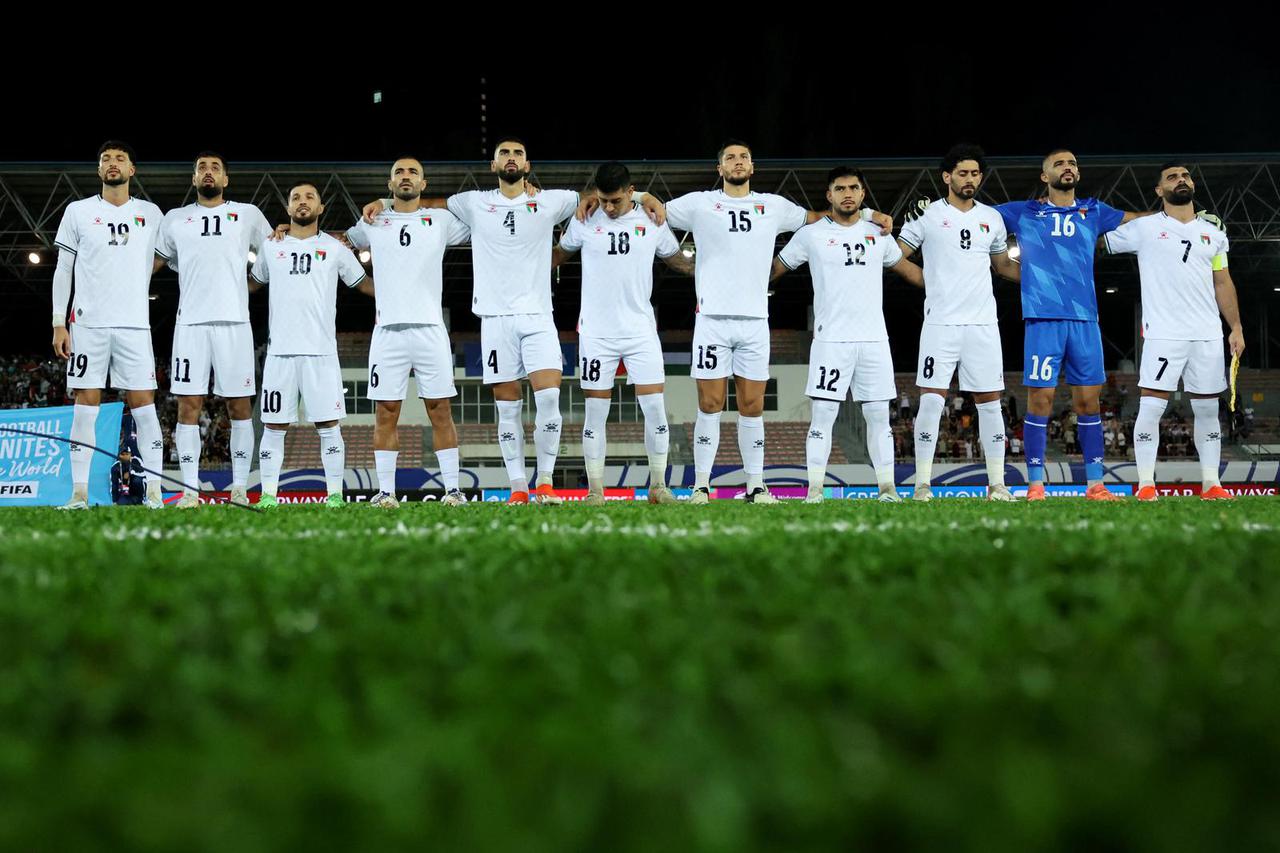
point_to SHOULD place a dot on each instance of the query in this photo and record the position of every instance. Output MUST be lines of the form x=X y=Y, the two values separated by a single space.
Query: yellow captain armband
x=1220 y=262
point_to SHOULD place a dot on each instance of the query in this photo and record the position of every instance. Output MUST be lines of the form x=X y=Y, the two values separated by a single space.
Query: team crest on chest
x=871 y=240
x=140 y=221
x=321 y=254
x=640 y=231
x=531 y=206
x=233 y=217
x=426 y=220
x=984 y=228
x=1204 y=238
x=760 y=209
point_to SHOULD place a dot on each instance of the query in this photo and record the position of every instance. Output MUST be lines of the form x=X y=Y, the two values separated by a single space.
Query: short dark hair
x=962 y=151
x=612 y=176
x=843 y=171
x=1058 y=150
x=302 y=183
x=1172 y=164
x=517 y=140
x=417 y=160
x=117 y=145
x=726 y=144
x=209 y=155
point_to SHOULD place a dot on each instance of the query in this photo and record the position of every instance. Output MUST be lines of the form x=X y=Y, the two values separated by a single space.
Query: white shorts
x=317 y=378
x=600 y=357
x=1200 y=364
x=975 y=348
x=730 y=346
x=224 y=348
x=868 y=365
x=395 y=350
x=515 y=345
x=127 y=352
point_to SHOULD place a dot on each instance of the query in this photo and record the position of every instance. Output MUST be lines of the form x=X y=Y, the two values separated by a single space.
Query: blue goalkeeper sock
x=1089 y=429
x=1035 y=435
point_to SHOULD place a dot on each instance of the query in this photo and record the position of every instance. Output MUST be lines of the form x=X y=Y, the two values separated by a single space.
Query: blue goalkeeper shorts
x=1053 y=347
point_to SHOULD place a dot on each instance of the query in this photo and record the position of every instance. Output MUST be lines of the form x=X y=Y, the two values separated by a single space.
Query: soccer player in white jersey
x=618 y=244
x=1182 y=264
x=735 y=231
x=107 y=245
x=850 y=353
x=962 y=240
x=408 y=245
x=511 y=240
x=209 y=242
x=301 y=272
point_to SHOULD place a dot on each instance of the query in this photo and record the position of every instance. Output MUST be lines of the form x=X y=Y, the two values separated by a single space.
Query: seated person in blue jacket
x=127 y=483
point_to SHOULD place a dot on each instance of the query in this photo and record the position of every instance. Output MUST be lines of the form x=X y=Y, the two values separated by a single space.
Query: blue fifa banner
x=35 y=470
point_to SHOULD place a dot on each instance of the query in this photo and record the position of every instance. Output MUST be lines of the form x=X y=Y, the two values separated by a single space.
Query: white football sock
x=448 y=460
x=879 y=441
x=511 y=441
x=751 y=446
x=1207 y=434
x=991 y=432
x=593 y=440
x=151 y=444
x=817 y=447
x=333 y=453
x=546 y=436
x=1146 y=438
x=271 y=459
x=187 y=439
x=928 y=417
x=84 y=421
x=384 y=462
x=657 y=435
x=706 y=441
x=241 y=452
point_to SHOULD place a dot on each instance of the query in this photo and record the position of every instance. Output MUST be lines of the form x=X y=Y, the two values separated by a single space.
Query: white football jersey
x=1175 y=264
x=511 y=247
x=210 y=248
x=735 y=240
x=408 y=258
x=847 y=264
x=957 y=246
x=115 y=248
x=302 y=278
x=617 y=271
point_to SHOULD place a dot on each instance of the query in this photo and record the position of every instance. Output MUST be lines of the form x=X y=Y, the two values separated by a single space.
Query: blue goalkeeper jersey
x=1057 y=246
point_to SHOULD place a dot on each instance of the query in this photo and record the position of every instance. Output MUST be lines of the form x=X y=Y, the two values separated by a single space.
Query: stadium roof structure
x=1244 y=189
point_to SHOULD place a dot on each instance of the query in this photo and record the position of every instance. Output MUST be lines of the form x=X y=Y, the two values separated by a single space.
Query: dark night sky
x=785 y=106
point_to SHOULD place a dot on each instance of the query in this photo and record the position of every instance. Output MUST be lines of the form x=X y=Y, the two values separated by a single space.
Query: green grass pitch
x=951 y=676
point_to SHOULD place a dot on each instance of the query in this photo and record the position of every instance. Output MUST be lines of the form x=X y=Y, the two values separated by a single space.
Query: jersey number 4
x=509 y=221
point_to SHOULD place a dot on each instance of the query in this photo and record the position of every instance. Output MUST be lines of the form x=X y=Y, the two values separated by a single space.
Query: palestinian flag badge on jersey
x=1204 y=238
x=426 y=220
x=321 y=254
x=760 y=209
x=871 y=240
x=531 y=206
x=140 y=221
x=984 y=228
x=639 y=230
x=233 y=217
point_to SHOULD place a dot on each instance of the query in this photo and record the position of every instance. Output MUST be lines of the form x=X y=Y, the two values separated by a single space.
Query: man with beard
x=1182 y=263
x=302 y=270
x=107 y=243
x=847 y=258
x=511 y=241
x=962 y=240
x=209 y=243
x=1057 y=236
x=736 y=232
x=408 y=245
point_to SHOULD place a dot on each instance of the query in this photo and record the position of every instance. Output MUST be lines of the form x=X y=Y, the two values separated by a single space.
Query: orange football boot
x=1035 y=492
x=1099 y=492
x=1216 y=493
x=1148 y=493
x=518 y=498
x=547 y=495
